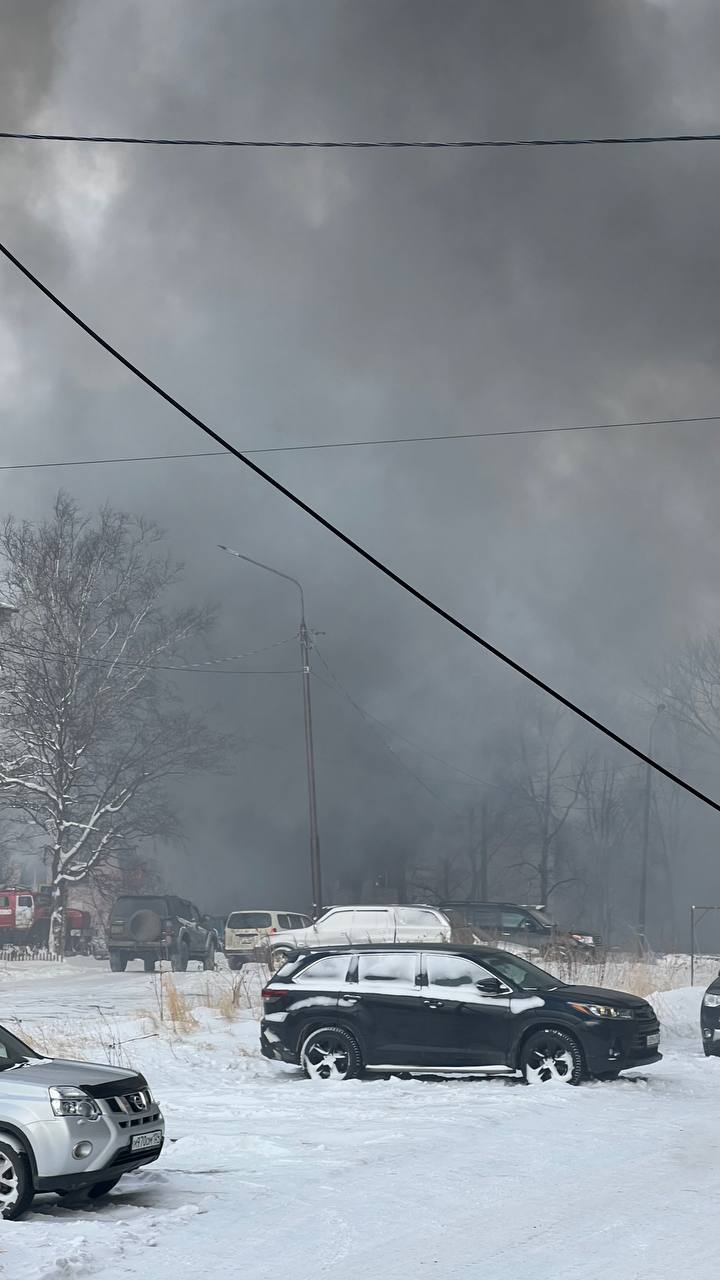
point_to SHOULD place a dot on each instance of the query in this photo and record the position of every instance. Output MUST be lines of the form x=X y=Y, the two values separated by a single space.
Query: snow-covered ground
x=267 y=1173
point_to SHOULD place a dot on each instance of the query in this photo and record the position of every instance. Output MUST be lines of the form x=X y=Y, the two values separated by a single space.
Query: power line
x=209 y=667
x=264 y=144
x=337 y=687
x=357 y=444
x=368 y=715
x=383 y=568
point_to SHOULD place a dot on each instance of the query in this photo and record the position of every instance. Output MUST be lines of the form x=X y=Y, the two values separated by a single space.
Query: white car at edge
x=352 y=925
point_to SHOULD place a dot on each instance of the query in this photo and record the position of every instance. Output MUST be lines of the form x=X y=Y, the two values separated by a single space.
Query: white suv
x=353 y=925
x=247 y=933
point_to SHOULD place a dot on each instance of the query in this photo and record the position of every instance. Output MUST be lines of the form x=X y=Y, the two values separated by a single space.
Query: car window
x=393 y=967
x=4 y=901
x=25 y=900
x=297 y=922
x=249 y=920
x=522 y=973
x=365 y=921
x=417 y=916
x=331 y=969
x=284 y=921
x=305 y=921
x=515 y=920
x=453 y=971
x=337 y=921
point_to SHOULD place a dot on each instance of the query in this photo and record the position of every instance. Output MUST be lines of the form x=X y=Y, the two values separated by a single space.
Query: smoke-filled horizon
x=300 y=297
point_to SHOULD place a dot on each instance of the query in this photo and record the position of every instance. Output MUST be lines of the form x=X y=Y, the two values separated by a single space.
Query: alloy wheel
x=327 y=1058
x=550 y=1061
x=9 y=1183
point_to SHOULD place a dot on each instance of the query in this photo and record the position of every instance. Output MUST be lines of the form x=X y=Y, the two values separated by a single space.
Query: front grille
x=127 y=1156
x=134 y=1110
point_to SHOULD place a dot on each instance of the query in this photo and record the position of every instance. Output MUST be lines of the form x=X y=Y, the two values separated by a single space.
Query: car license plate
x=146 y=1141
x=653 y=1040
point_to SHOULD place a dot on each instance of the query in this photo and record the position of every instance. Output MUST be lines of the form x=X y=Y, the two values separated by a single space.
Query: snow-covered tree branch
x=91 y=732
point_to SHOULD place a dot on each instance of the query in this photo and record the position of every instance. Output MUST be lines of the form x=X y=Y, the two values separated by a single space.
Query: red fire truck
x=25 y=921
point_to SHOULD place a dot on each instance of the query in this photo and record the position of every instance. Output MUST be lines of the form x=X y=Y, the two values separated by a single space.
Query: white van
x=351 y=925
x=247 y=933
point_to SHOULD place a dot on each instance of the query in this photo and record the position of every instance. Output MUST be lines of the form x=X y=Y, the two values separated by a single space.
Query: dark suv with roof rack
x=517 y=923
x=440 y=1009
x=152 y=927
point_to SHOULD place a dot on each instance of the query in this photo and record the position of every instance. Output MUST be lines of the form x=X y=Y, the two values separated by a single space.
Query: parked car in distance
x=710 y=1020
x=152 y=927
x=69 y=1126
x=442 y=1010
x=492 y=921
x=248 y=934
x=409 y=923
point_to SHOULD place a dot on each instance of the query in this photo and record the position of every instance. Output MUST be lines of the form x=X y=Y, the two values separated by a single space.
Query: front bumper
x=617 y=1046
x=710 y=1029
x=123 y=1161
x=123 y=1115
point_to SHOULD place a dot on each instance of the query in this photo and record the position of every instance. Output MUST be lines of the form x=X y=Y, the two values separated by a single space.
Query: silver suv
x=69 y=1126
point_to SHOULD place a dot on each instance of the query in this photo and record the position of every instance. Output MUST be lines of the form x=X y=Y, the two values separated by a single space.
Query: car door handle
x=433 y=1004
x=348 y=1000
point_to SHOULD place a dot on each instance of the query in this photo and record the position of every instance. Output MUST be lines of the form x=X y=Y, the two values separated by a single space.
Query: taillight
x=273 y=930
x=270 y=993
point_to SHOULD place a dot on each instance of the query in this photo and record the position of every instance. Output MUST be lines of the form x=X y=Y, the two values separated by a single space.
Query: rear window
x=249 y=920
x=126 y=907
x=25 y=900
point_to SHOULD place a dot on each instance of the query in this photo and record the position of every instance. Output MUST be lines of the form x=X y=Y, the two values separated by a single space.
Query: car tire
x=149 y=964
x=180 y=958
x=118 y=962
x=330 y=1053
x=278 y=958
x=550 y=1055
x=100 y=1189
x=234 y=962
x=708 y=1051
x=16 y=1185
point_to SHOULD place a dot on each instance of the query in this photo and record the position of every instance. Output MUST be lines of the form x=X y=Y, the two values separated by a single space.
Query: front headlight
x=712 y=1001
x=602 y=1010
x=67 y=1100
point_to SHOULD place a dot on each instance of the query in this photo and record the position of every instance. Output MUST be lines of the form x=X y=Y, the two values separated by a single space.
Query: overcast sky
x=303 y=297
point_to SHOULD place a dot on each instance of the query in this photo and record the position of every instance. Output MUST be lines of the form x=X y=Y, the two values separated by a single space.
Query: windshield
x=520 y=972
x=13 y=1051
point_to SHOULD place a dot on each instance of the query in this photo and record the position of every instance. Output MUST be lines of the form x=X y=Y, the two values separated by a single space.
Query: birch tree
x=92 y=732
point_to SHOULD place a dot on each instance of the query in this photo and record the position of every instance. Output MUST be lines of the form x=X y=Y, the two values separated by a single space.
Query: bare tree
x=606 y=818
x=92 y=731
x=547 y=784
x=492 y=826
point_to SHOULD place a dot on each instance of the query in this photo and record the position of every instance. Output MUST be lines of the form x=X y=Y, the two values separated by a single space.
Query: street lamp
x=315 y=868
x=642 y=910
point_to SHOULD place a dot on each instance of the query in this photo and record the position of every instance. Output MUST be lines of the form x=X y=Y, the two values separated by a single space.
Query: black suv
x=710 y=1020
x=441 y=1009
x=152 y=927
x=494 y=920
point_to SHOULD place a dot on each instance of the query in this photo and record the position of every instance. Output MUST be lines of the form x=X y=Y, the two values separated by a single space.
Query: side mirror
x=490 y=986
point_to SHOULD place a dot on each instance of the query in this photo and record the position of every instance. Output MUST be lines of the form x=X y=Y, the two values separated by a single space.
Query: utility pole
x=304 y=636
